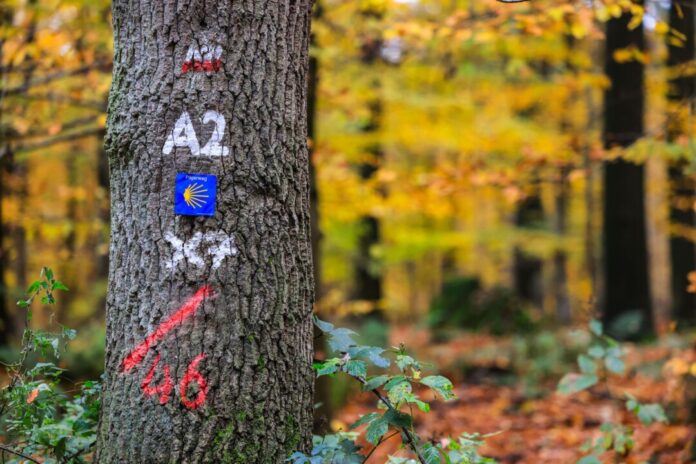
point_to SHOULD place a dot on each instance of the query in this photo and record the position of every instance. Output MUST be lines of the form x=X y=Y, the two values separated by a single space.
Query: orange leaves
x=692 y=282
x=32 y=395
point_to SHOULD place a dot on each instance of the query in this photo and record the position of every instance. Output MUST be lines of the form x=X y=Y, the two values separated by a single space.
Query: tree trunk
x=209 y=333
x=626 y=283
x=682 y=215
x=6 y=320
x=527 y=268
x=560 y=259
x=368 y=276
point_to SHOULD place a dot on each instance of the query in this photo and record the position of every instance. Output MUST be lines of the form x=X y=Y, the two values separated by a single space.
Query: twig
x=17 y=453
x=104 y=67
x=410 y=439
x=381 y=440
x=90 y=132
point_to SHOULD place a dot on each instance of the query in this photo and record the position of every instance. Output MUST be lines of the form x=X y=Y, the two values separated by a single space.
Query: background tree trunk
x=682 y=215
x=368 y=284
x=527 y=268
x=209 y=351
x=626 y=283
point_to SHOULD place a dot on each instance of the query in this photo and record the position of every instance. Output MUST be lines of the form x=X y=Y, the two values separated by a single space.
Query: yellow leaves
x=632 y=53
x=680 y=367
x=662 y=28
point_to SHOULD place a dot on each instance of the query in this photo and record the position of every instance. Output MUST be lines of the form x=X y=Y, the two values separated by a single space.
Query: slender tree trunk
x=209 y=333
x=528 y=269
x=560 y=259
x=626 y=283
x=6 y=320
x=681 y=94
x=368 y=276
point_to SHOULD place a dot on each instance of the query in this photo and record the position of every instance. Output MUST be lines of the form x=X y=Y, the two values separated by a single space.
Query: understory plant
x=603 y=358
x=37 y=416
x=395 y=400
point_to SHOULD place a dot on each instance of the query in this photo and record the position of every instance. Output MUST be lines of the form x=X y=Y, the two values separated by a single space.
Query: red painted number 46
x=165 y=387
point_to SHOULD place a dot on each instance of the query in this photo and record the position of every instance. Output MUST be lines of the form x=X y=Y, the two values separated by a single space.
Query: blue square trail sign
x=194 y=194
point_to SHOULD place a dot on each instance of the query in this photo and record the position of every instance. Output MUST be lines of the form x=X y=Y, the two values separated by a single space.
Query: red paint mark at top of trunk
x=198 y=65
x=186 y=311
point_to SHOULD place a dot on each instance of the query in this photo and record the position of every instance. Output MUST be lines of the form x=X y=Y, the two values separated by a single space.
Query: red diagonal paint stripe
x=188 y=309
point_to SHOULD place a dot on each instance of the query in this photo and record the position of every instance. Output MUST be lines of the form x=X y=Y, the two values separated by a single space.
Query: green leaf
x=394 y=381
x=330 y=366
x=441 y=385
x=341 y=339
x=323 y=325
x=400 y=392
x=59 y=286
x=614 y=364
x=366 y=419
x=587 y=364
x=573 y=383
x=596 y=327
x=649 y=413
x=423 y=406
x=375 y=382
x=590 y=459
x=405 y=361
x=372 y=353
x=431 y=454
x=48 y=273
x=596 y=351
x=376 y=430
x=398 y=419
x=33 y=287
x=356 y=368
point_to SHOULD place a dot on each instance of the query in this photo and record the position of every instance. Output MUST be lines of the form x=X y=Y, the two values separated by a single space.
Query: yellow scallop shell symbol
x=195 y=195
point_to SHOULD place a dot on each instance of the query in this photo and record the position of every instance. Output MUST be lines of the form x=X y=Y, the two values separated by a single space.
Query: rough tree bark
x=209 y=333
x=626 y=283
x=681 y=94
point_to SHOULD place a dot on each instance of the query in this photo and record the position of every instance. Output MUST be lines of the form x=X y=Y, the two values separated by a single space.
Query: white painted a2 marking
x=183 y=135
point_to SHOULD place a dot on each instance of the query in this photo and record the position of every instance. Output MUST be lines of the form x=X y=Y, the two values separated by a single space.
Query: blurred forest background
x=483 y=189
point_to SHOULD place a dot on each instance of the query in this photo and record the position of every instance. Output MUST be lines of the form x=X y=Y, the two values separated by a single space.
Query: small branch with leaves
x=39 y=418
x=395 y=396
x=603 y=358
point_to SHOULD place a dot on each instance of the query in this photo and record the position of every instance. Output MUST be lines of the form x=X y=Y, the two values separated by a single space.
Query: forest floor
x=500 y=391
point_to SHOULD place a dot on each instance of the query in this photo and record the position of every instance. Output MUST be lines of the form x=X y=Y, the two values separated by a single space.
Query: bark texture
x=626 y=283
x=254 y=325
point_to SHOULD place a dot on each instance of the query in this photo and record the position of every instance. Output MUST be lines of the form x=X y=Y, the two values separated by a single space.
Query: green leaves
x=431 y=454
x=614 y=364
x=587 y=365
x=647 y=413
x=377 y=428
x=604 y=351
x=573 y=383
x=341 y=340
x=366 y=419
x=356 y=368
x=355 y=360
x=375 y=382
x=46 y=285
x=441 y=385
